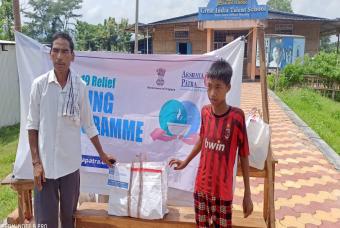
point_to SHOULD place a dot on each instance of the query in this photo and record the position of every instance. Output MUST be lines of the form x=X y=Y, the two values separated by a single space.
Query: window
x=284 y=29
x=181 y=33
x=224 y=37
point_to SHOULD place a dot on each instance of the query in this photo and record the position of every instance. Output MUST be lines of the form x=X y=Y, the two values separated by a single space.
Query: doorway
x=183 y=48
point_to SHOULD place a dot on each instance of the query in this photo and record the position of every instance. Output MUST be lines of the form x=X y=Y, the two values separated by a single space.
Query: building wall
x=310 y=30
x=164 y=41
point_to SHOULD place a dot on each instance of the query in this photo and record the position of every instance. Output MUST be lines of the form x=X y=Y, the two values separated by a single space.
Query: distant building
x=198 y=33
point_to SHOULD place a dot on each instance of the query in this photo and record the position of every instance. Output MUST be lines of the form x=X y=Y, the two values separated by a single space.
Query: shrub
x=326 y=65
x=277 y=83
x=293 y=73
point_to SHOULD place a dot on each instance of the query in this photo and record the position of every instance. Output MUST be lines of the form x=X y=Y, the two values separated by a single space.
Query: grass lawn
x=8 y=147
x=320 y=113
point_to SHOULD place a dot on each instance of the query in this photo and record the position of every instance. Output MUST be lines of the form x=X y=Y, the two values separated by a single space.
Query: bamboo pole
x=16 y=15
x=268 y=204
x=338 y=43
x=136 y=28
x=253 y=56
x=263 y=75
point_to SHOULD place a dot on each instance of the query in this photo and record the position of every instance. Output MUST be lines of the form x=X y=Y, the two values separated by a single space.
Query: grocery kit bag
x=138 y=190
x=258 y=138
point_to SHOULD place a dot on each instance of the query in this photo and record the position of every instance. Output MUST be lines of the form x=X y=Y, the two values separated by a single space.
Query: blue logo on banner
x=179 y=116
x=118 y=184
x=232 y=10
x=93 y=161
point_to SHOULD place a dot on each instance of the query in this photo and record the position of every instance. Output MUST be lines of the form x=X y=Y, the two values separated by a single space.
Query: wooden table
x=24 y=188
x=94 y=215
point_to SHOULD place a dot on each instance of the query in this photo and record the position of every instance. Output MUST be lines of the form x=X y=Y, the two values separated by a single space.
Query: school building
x=222 y=21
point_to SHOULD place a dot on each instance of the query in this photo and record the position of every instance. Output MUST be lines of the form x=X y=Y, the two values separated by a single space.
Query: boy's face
x=217 y=91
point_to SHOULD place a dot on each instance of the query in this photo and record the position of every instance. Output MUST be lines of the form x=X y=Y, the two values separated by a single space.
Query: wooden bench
x=24 y=212
x=95 y=215
x=90 y=213
x=268 y=173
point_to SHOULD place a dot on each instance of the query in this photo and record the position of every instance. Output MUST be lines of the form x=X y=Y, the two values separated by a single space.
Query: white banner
x=147 y=104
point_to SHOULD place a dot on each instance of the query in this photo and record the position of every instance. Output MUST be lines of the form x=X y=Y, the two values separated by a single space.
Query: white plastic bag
x=144 y=195
x=258 y=138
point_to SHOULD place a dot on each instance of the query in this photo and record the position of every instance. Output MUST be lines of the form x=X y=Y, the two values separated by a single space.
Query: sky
x=95 y=11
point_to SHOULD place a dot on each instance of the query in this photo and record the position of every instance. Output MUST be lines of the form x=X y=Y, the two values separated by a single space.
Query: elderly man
x=59 y=107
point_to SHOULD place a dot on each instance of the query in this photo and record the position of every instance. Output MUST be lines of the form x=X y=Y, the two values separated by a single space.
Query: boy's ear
x=206 y=80
x=228 y=87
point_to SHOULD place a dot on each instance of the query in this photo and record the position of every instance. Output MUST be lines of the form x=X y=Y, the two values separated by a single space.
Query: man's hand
x=39 y=175
x=247 y=206
x=107 y=159
x=38 y=169
x=179 y=164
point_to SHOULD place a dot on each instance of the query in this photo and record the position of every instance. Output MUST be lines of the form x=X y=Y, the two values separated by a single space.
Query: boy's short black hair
x=65 y=36
x=220 y=70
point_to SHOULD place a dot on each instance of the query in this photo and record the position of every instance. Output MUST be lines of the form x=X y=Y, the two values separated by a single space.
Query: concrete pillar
x=209 y=40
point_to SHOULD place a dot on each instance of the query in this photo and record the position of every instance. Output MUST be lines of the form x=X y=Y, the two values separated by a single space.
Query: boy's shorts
x=211 y=209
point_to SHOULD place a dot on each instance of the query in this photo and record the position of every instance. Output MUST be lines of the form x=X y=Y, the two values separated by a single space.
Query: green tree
x=86 y=39
x=124 y=37
x=6 y=20
x=281 y=5
x=49 y=16
x=326 y=45
x=109 y=36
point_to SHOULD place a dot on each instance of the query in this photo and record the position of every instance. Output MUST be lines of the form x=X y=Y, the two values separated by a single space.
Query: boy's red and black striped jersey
x=221 y=137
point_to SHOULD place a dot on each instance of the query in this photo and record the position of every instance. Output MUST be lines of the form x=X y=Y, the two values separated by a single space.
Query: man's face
x=217 y=91
x=61 y=55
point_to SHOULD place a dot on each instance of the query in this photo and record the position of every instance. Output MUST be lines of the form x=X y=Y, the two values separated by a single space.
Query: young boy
x=223 y=133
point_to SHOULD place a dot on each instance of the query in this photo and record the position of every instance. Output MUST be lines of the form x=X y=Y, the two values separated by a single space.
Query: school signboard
x=232 y=10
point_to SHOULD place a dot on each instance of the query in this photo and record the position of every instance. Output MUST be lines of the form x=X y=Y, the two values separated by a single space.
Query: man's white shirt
x=59 y=130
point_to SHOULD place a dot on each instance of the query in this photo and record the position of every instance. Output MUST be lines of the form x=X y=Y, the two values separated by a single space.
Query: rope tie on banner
x=141 y=182
x=130 y=187
x=245 y=37
x=139 y=171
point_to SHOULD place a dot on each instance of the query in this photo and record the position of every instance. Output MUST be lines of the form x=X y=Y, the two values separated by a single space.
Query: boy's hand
x=247 y=206
x=179 y=164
